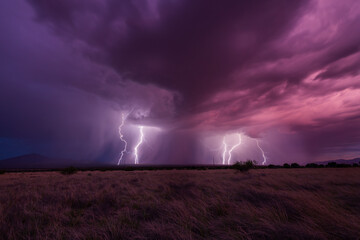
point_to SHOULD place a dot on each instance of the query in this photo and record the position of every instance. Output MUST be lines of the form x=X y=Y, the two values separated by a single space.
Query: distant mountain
x=341 y=161
x=36 y=161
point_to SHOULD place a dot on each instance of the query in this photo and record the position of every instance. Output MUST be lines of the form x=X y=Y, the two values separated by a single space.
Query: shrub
x=311 y=165
x=129 y=169
x=295 y=165
x=332 y=164
x=69 y=171
x=2 y=172
x=355 y=165
x=286 y=165
x=343 y=165
x=244 y=166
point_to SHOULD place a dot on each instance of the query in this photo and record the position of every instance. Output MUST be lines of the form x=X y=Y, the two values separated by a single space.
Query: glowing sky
x=285 y=73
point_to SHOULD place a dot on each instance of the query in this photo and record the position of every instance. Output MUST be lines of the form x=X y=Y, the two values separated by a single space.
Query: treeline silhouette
x=241 y=166
x=251 y=164
x=314 y=165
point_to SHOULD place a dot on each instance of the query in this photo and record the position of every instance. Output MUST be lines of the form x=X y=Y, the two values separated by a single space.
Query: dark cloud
x=191 y=47
x=70 y=67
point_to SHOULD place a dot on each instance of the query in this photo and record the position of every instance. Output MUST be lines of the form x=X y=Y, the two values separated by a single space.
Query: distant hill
x=341 y=161
x=36 y=161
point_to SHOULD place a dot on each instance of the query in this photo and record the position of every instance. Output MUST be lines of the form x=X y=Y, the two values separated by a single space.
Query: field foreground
x=182 y=204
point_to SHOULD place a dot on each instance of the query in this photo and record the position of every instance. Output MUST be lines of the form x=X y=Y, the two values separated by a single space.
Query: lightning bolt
x=138 y=144
x=123 y=119
x=262 y=151
x=231 y=149
x=225 y=150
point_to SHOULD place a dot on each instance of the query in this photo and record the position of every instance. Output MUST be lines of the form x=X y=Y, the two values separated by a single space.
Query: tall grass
x=182 y=204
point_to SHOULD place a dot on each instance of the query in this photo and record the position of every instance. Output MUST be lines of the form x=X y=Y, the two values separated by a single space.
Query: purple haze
x=284 y=72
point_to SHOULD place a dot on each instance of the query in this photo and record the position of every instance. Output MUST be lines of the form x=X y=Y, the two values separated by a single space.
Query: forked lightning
x=136 y=148
x=123 y=119
x=227 y=152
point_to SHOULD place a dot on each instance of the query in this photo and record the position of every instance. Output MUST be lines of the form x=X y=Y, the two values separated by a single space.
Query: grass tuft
x=69 y=171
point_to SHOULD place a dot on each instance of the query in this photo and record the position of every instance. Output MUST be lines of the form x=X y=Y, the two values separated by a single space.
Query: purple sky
x=285 y=73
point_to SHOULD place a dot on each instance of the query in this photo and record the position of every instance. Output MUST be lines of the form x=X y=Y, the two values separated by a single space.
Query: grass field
x=182 y=204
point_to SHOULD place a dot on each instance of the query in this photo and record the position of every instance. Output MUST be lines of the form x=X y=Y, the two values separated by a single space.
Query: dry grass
x=182 y=204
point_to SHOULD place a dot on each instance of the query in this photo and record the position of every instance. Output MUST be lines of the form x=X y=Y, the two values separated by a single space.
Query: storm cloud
x=286 y=72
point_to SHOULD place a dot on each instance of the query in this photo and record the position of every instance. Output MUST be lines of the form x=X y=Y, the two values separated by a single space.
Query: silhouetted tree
x=286 y=165
x=295 y=165
x=311 y=165
x=244 y=167
x=331 y=164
